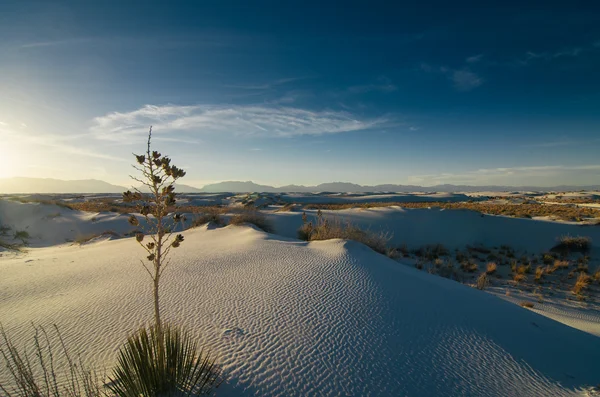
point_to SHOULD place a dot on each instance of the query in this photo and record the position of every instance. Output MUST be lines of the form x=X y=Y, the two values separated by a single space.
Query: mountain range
x=55 y=186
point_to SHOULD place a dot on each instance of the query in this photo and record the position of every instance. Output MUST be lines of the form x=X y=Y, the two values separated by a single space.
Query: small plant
x=31 y=371
x=491 y=268
x=539 y=273
x=582 y=283
x=84 y=239
x=561 y=264
x=469 y=267
x=483 y=281
x=163 y=362
x=519 y=277
x=526 y=304
x=22 y=235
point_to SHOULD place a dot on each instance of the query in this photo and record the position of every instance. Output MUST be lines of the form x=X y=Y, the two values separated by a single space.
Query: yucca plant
x=161 y=360
x=165 y=363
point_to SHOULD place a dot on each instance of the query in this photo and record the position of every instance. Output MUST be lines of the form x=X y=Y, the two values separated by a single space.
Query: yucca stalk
x=159 y=176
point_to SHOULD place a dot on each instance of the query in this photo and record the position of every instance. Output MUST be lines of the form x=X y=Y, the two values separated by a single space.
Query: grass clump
x=526 y=304
x=324 y=229
x=87 y=238
x=491 y=268
x=254 y=217
x=582 y=283
x=164 y=362
x=483 y=281
x=32 y=372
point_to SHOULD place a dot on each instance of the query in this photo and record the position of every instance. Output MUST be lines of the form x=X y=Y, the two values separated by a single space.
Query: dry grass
x=528 y=305
x=491 y=268
x=582 y=283
x=483 y=281
x=254 y=217
x=525 y=210
x=325 y=229
x=561 y=264
x=209 y=214
x=519 y=277
x=469 y=267
x=84 y=239
x=539 y=274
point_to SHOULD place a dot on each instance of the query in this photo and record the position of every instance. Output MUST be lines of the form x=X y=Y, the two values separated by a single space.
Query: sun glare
x=8 y=161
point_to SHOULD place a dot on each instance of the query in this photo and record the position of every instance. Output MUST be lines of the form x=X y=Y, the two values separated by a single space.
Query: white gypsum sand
x=289 y=318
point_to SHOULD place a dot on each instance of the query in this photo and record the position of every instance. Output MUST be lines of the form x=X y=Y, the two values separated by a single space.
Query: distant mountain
x=55 y=186
x=48 y=185
x=345 y=187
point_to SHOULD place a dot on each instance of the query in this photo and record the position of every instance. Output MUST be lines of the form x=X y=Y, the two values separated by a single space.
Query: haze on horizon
x=303 y=93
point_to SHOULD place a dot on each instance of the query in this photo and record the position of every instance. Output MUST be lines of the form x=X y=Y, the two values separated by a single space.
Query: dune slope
x=289 y=318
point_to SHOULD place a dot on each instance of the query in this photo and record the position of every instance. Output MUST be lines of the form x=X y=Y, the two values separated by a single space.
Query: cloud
x=251 y=120
x=266 y=86
x=513 y=176
x=474 y=58
x=463 y=79
x=383 y=85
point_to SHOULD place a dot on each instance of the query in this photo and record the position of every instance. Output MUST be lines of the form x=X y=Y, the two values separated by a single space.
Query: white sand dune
x=307 y=198
x=289 y=318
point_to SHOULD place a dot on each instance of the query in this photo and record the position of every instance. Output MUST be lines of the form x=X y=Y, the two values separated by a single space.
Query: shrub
x=519 y=277
x=324 y=229
x=582 y=283
x=568 y=244
x=469 y=267
x=32 y=371
x=163 y=362
x=539 y=273
x=254 y=217
x=483 y=281
x=561 y=264
x=528 y=305
x=22 y=235
x=209 y=214
x=491 y=268
x=596 y=275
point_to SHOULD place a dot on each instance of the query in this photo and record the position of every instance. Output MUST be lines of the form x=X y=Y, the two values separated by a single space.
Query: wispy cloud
x=508 y=175
x=571 y=52
x=474 y=58
x=463 y=79
x=54 y=43
x=255 y=120
x=383 y=84
x=266 y=86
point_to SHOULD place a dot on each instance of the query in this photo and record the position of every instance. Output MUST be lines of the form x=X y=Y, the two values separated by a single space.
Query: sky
x=303 y=92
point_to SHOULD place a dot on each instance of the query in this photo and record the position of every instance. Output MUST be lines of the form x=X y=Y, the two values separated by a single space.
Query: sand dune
x=289 y=318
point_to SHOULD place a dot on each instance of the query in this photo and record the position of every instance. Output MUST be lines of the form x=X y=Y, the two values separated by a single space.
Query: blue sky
x=303 y=92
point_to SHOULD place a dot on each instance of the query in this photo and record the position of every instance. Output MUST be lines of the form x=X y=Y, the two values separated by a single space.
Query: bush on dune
x=209 y=215
x=254 y=217
x=324 y=229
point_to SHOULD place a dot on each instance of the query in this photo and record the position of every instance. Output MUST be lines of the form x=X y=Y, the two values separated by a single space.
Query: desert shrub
x=164 y=362
x=209 y=214
x=523 y=269
x=582 y=283
x=32 y=370
x=22 y=235
x=568 y=244
x=324 y=229
x=286 y=208
x=596 y=275
x=469 y=267
x=483 y=281
x=561 y=264
x=539 y=273
x=528 y=305
x=491 y=268
x=254 y=217
x=519 y=277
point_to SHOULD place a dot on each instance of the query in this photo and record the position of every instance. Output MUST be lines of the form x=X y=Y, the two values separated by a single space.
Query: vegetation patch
x=253 y=217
